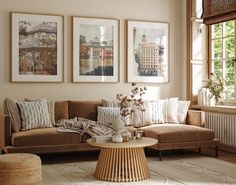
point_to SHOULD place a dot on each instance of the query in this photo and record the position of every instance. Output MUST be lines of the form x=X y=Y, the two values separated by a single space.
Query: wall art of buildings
x=37 y=48
x=96 y=58
x=149 y=58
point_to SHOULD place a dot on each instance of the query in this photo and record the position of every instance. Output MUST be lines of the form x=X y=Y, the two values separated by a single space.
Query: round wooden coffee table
x=122 y=162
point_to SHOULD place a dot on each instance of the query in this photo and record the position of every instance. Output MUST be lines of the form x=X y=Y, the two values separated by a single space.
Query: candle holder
x=139 y=134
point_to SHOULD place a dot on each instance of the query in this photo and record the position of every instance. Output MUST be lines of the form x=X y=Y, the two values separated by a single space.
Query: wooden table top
x=136 y=143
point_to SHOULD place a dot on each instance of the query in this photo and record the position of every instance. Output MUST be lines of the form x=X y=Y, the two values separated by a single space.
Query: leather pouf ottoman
x=20 y=169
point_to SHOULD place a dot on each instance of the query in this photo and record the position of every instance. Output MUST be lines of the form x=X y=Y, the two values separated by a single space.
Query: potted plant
x=131 y=103
x=215 y=85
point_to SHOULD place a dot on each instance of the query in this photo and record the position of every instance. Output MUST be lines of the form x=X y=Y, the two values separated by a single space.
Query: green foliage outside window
x=223 y=53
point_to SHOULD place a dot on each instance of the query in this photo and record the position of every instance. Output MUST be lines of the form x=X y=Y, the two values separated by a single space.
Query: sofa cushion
x=177 y=133
x=44 y=136
x=84 y=109
x=85 y=137
x=61 y=110
x=34 y=114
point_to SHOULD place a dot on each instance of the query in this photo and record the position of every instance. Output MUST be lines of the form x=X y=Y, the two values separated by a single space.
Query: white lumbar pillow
x=172 y=110
x=182 y=111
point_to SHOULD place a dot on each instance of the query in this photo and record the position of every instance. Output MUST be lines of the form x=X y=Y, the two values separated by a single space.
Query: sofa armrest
x=196 y=118
x=5 y=130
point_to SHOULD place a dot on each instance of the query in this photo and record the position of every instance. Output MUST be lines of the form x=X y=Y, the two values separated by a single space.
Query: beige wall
x=172 y=11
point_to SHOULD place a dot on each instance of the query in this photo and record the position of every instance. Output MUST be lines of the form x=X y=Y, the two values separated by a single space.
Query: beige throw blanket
x=82 y=125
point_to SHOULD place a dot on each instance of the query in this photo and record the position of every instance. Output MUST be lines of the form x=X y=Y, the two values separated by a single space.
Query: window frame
x=194 y=17
x=194 y=14
x=222 y=59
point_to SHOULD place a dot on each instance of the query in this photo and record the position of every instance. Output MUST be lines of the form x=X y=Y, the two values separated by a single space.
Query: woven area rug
x=195 y=170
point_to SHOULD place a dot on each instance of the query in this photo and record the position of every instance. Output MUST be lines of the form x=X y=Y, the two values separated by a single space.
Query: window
x=222 y=55
x=210 y=49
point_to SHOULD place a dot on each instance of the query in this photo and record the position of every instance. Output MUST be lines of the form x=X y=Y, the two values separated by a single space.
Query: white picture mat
x=77 y=21
x=132 y=77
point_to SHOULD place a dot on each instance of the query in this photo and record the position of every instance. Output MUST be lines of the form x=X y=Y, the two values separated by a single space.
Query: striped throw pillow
x=157 y=111
x=110 y=103
x=34 y=114
x=106 y=115
x=51 y=107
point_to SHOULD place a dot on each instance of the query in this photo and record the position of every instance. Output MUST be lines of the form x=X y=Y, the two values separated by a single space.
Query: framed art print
x=95 y=49
x=36 y=47
x=147 y=51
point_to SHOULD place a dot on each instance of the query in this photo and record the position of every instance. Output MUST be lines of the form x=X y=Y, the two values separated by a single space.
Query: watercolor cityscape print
x=96 y=50
x=149 y=48
x=37 y=48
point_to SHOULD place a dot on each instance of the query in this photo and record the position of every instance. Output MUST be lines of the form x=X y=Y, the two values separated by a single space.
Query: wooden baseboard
x=228 y=148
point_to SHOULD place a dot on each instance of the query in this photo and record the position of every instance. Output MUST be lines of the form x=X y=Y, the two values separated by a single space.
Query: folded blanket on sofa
x=82 y=125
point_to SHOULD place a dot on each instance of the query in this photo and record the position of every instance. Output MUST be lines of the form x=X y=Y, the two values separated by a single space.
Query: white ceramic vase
x=117 y=138
x=118 y=127
x=212 y=101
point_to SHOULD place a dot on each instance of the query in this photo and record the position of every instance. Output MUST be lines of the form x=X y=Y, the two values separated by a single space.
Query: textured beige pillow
x=11 y=109
x=51 y=111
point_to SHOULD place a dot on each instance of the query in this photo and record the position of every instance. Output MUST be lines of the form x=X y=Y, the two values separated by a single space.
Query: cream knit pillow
x=172 y=110
x=182 y=111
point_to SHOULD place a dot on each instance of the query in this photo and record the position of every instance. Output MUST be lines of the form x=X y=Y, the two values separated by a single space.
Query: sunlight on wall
x=152 y=93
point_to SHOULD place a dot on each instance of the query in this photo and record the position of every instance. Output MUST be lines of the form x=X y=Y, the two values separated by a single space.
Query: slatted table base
x=122 y=165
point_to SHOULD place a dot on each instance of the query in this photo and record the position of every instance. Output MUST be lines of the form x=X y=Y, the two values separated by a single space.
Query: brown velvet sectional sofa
x=48 y=140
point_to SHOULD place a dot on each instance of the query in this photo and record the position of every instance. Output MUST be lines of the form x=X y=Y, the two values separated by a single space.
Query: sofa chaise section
x=181 y=136
x=171 y=133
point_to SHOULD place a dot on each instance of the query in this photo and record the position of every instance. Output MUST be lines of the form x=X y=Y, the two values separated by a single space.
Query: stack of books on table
x=101 y=138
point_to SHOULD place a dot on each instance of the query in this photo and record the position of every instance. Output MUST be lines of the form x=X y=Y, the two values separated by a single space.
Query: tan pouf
x=20 y=169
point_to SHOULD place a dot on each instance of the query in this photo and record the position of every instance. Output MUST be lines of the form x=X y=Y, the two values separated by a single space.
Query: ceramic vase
x=212 y=101
x=118 y=127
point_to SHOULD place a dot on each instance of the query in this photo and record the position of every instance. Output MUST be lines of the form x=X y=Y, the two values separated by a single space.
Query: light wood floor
x=91 y=156
x=222 y=155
